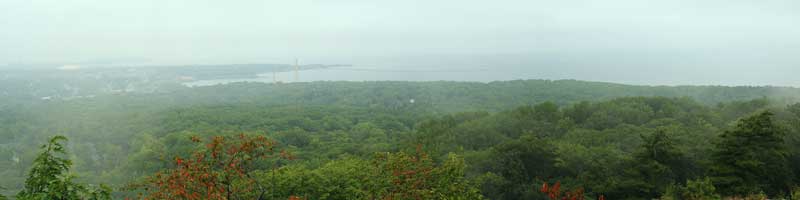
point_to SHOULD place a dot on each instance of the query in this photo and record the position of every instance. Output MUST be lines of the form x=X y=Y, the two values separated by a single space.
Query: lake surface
x=644 y=75
x=355 y=73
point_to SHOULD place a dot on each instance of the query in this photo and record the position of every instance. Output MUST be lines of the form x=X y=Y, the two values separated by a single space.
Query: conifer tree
x=752 y=158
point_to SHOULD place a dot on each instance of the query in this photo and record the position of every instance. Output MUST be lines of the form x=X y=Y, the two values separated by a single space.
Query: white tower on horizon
x=296 y=69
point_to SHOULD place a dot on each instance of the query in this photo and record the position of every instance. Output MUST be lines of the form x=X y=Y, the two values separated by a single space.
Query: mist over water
x=677 y=42
x=634 y=69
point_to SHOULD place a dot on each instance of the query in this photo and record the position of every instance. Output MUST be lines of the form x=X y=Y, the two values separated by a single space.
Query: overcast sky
x=669 y=41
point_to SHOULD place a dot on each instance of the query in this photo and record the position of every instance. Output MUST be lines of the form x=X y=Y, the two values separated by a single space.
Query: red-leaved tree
x=554 y=192
x=410 y=175
x=222 y=170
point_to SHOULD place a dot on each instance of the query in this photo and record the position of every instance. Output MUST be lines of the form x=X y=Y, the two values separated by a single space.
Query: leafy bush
x=48 y=179
x=700 y=189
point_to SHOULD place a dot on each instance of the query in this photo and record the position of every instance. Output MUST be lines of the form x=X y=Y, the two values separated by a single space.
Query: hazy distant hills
x=444 y=96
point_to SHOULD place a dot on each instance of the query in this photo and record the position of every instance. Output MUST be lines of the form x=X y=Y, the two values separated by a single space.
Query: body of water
x=355 y=73
x=503 y=71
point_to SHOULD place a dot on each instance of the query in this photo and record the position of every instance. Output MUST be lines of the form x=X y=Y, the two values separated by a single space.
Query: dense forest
x=532 y=139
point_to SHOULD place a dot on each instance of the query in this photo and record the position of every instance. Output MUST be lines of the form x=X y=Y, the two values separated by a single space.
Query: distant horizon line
x=60 y=66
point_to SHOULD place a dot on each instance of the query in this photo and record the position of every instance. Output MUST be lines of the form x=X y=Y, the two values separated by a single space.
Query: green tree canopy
x=48 y=178
x=752 y=158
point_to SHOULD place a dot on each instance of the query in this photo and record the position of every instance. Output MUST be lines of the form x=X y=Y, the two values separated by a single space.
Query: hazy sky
x=668 y=41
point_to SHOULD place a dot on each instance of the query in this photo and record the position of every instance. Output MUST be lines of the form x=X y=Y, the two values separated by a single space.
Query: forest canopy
x=340 y=140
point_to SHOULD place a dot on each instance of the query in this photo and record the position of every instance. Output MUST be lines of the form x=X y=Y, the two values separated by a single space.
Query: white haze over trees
x=673 y=42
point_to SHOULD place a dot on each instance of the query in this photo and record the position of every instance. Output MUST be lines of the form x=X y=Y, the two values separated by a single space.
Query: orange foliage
x=220 y=171
x=295 y=198
x=554 y=192
x=410 y=175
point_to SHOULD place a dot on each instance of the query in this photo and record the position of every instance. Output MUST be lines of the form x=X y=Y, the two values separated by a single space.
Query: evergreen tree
x=752 y=158
x=656 y=165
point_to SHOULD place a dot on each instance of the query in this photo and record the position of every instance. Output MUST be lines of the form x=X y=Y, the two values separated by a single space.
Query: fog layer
x=739 y=42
